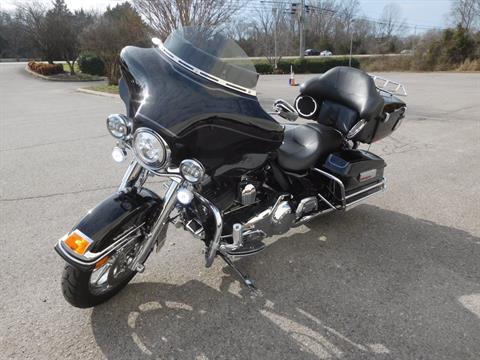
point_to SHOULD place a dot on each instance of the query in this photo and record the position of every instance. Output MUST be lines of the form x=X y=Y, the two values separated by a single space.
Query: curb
x=98 y=93
x=57 y=79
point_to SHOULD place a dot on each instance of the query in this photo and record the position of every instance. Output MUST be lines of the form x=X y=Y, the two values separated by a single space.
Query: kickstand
x=245 y=279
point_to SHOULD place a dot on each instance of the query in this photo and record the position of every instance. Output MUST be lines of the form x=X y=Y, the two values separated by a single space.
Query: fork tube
x=169 y=203
x=131 y=175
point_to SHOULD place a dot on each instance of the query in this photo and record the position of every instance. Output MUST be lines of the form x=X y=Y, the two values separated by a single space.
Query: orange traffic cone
x=291 y=81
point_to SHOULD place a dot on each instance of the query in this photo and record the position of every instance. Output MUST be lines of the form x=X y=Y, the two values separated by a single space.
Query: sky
x=424 y=13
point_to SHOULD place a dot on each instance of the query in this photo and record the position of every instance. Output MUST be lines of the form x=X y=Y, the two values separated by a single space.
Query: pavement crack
x=58 y=194
x=69 y=192
x=54 y=143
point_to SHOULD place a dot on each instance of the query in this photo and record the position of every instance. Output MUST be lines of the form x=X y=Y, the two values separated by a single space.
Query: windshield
x=212 y=55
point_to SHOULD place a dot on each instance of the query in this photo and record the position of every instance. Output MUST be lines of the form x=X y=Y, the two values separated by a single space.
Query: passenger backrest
x=347 y=86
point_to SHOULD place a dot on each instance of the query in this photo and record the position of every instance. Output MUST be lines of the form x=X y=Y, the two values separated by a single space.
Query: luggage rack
x=389 y=86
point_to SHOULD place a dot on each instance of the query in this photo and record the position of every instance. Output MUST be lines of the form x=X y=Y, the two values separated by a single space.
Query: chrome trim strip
x=215 y=242
x=356 y=202
x=204 y=74
x=93 y=258
x=379 y=184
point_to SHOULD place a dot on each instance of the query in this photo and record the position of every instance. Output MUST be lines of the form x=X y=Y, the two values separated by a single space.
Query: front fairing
x=168 y=96
x=197 y=117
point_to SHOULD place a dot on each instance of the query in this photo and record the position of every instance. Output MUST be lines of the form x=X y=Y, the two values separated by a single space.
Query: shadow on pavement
x=367 y=284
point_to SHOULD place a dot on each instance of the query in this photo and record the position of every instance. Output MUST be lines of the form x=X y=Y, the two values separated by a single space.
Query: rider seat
x=305 y=145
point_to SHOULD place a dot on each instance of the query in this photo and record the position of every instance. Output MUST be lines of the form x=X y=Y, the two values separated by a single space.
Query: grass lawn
x=111 y=89
x=66 y=68
x=78 y=74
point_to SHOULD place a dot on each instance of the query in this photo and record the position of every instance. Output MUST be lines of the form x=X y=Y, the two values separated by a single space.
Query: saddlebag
x=357 y=169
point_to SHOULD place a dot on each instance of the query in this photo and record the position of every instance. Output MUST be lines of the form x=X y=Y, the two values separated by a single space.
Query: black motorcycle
x=234 y=175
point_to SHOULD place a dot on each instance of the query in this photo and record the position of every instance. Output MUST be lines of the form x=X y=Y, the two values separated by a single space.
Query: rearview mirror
x=156 y=41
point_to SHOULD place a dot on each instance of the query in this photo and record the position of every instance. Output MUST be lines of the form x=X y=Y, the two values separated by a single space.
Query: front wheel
x=85 y=289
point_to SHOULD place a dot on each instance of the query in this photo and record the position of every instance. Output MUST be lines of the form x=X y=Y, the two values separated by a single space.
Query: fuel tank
x=226 y=130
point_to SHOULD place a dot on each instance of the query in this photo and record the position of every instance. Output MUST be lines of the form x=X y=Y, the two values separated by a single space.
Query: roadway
x=396 y=278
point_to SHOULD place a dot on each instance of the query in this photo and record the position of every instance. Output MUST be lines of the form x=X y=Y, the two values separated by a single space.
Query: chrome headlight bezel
x=192 y=170
x=152 y=166
x=119 y=126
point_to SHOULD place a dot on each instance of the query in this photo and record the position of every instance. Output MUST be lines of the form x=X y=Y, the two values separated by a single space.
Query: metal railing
x=389 y=86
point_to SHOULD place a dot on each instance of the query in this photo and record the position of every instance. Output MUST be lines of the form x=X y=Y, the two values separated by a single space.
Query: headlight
x=192 y=171
x=119 y=125
x=151 y=150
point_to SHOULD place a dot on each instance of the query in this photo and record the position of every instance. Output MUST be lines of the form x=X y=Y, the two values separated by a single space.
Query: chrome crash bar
x=345 y=205
x=170 y=200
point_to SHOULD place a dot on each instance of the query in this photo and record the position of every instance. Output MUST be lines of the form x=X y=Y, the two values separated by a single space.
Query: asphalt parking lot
x=395 y=278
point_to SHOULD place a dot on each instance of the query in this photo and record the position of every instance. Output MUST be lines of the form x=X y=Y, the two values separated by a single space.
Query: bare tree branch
x=466 y=13
x=164 y=16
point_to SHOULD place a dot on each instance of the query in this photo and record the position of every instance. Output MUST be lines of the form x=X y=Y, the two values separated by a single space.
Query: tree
x=58 y=28
x=452 y=49
x=264 y=28
x=117 y=27
x=466 y=13
x=391 y=22
x=390 y=25
x=31 y=16
x=165 y=16
x=322 y=20
x=72 y=47
x=5 y=19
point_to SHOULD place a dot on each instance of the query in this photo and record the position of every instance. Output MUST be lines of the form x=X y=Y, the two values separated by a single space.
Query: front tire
x=77 y=289
x=85 y=289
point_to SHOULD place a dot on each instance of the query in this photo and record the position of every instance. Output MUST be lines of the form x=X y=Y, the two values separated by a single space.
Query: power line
x=260 y=5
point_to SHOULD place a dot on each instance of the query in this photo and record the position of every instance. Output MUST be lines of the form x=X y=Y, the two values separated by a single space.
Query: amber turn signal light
x=101 y=262
x=78 y=242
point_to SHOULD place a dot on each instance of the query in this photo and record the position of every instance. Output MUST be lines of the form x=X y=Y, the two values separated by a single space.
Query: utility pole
x=274 y=11
x=351 y=41
x=414 y=40
x=301 y=28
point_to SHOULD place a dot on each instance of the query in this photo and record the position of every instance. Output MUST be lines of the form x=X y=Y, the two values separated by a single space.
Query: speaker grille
x=306 y=106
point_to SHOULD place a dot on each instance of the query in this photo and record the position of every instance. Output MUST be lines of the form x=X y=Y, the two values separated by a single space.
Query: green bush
x=44 y=68
x=264 y=68
x=91 y=64
x=305 y=66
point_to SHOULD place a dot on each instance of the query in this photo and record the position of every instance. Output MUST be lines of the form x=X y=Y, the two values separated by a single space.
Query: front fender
x=107 y=224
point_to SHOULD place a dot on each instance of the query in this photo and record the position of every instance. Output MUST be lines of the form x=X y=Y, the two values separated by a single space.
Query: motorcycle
x=234 y=174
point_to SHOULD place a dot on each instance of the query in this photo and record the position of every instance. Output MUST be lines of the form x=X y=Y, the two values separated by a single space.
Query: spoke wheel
x=114 y=272
x=89 y=288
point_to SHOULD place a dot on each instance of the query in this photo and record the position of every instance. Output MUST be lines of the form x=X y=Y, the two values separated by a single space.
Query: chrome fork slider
x=169 y=203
